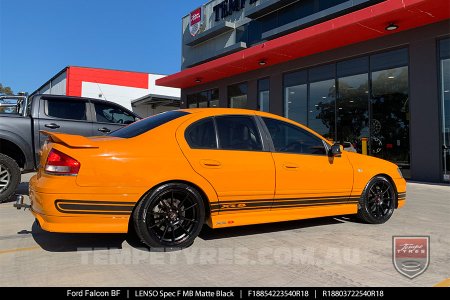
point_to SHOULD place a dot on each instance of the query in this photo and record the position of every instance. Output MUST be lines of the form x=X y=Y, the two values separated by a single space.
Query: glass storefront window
x=296 y=96
x=390 y=116
x=322 y=101
x=444 y=49
x=361 y=103
x=209 y=98
x=321 y=110
x=352 y=104
x=237 y=95
x=263 y=94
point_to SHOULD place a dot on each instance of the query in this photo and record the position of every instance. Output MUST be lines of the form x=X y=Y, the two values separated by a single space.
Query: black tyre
x=9 y=177
x=169 y=217
x=377 y=202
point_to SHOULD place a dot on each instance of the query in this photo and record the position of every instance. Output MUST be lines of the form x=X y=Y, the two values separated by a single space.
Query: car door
x=66 y=115
x=108 y=117
x=305 y=174
x=228 y=152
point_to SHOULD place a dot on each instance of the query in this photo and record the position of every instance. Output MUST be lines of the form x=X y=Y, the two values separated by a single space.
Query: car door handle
x=290 y=166
x=209 y=163
x=52 y=125
x=104 y=130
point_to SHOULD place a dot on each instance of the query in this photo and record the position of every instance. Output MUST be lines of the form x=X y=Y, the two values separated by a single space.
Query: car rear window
x=147 y=124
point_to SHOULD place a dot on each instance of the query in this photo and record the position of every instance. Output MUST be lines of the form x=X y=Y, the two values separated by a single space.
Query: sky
x=38 y=38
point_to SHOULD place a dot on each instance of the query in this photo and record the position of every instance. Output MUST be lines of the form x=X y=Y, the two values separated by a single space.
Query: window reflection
x=263 y=94
x=369 y=112
x=353 y=111
x=390 y=116
x=296 y=103
x=237 y=95
x=444 y=47
x=321 y=110
x=209 y=98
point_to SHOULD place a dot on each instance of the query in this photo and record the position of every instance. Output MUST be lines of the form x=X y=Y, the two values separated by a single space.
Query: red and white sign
x=411 y=254
x=196 y=21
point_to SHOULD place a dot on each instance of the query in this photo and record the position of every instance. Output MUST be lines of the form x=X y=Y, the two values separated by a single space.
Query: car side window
x=66 y=109
x=289 y=138
x=202 y=134
x=238 y=133
x=107 y=113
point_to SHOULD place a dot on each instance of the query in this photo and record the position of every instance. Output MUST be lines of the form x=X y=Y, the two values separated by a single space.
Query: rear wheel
x=377 y=202
x=171 y=216
x=9 y=177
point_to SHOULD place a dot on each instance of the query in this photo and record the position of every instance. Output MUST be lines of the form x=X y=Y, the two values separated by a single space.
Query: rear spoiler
x=72 y=141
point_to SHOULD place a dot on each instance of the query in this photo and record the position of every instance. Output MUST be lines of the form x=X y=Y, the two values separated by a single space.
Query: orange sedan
x=175 y=171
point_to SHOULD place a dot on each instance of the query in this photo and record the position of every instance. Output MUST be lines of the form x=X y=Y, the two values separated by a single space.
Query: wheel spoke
x=173 y=233
x=378 y=212
x=4 y=178
x=171 y=199
x=164 y=234
x=157 y=223
x=166 y=203
x=180 y=205
x=189 y=220
x=157 y=213
x=192 y=206
x=184 y=229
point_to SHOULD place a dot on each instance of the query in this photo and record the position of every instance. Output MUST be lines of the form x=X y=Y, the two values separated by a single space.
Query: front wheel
x=9 y=177
x=171 y=216
x=377 y=202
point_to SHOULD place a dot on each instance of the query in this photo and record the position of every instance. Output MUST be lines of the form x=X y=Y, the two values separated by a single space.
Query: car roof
x=226 y=111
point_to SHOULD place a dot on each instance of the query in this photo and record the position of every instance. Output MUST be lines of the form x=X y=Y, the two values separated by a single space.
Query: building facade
x=372 y=75
x=133 y=90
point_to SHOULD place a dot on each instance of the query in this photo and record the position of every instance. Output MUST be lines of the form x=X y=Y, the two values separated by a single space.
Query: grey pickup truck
x=21 y=119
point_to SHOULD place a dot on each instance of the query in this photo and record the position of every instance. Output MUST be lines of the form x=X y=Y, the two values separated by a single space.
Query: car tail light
x=59 y=163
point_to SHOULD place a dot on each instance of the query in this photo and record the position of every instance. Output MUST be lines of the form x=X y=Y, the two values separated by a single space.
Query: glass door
x=444 y=47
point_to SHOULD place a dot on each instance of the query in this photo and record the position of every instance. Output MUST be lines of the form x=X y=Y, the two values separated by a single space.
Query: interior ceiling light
x=391 y=27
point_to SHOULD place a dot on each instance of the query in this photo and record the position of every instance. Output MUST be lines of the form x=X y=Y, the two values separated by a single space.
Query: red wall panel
x=77 y=75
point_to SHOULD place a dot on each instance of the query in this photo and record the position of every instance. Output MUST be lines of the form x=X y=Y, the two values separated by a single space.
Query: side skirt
x=259 y=216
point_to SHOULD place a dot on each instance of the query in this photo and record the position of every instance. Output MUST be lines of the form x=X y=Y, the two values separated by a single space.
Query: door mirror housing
x=335 y=151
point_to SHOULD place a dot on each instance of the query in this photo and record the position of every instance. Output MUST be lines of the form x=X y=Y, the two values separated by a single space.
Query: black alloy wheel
x=377 y=202
x=171 y=216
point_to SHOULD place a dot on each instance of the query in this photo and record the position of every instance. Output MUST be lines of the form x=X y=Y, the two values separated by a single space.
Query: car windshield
x=147 y=124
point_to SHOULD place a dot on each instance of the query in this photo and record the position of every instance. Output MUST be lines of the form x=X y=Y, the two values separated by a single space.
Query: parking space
x=321 y=252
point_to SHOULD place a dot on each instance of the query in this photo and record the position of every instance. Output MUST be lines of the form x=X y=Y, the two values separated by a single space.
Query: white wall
x=122 y=95
x=161 y=90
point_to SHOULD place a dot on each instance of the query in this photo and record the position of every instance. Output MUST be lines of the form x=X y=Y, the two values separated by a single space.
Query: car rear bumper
x=79 y=213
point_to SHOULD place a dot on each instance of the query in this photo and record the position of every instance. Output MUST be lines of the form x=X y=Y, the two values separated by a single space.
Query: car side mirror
x=335 y=150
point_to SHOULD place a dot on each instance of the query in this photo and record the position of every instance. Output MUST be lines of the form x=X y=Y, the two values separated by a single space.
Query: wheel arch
x=204 y=196
x=13 y=151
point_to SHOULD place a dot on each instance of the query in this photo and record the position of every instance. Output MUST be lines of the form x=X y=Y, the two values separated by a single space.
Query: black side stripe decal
x=94 y=207
x=279 y=203
x=345 y=198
